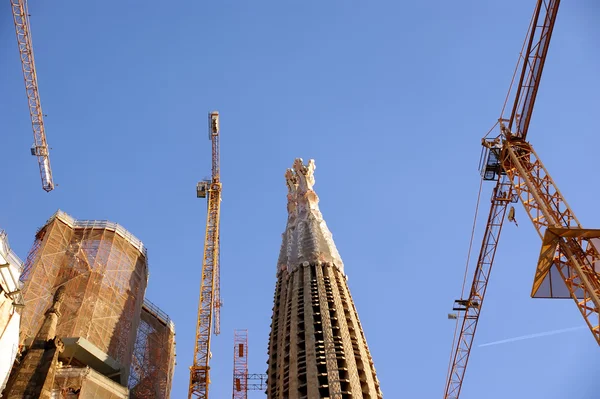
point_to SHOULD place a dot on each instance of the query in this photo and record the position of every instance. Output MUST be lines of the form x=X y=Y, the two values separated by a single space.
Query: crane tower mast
x=569 y=259
x=40 y=146
x=242 y=381
x=210 y=302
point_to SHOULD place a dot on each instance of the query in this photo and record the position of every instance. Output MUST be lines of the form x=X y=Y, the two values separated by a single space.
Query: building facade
x=111 y=342
x=317 y=347
x=104 y=270
x=11 y=302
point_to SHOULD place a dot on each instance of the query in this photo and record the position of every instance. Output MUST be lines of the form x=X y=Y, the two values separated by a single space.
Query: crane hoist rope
x=466 y=274
x=519 y=174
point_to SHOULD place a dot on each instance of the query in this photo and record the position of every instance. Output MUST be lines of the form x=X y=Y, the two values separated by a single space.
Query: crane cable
x=479 y=193
x=481 y=180
x=521 y=58
x=462 y=291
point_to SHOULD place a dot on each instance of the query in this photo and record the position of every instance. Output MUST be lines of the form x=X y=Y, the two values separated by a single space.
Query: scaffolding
x=84 y=382
x=104 y=270
x=153 y=360
x=240 y=364
x=242 y=381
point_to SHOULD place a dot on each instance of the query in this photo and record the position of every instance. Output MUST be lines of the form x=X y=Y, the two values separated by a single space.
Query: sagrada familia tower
x=317 y=347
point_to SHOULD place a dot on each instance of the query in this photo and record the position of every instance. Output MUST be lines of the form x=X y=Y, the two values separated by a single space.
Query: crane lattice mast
x=242 y=381
x=519 y=174
x=240 y=364
x=210 y=302
x=40 y=146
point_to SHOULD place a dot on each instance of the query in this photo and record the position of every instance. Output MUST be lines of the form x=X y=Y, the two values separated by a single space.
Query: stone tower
x=114 y=343
x=33 y=377
x=317 y=348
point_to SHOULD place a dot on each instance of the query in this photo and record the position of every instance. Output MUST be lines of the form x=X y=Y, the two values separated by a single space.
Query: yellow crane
x=40 y=146
x=210 y=301
x=570 y=256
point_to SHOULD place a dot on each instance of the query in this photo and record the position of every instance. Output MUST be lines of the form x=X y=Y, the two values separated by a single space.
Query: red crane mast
x=242 y=381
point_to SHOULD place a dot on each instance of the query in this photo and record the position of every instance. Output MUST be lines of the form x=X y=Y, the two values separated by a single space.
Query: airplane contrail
x=530 y=336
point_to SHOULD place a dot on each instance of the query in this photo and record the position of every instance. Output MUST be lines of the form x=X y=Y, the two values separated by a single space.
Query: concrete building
x=107 y=331
x=11 y=301
x=317 y=347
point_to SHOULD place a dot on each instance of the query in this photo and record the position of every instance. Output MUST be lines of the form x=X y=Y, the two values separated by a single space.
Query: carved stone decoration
x=291 y=181
x=305 y=173
x=306 y=237
x=33 y=377
x=288 y=236
x=57 y=301
x=317 y=348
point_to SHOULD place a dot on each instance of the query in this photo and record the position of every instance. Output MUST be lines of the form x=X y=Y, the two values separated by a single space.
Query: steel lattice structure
x=40 y=146
x=570 y=256
x=256 y=382
x=500 y=199
x=104 y=270
x=210 y=302
x=153 y=362
x=568 y=261
x=240 y=364
x=242 y=381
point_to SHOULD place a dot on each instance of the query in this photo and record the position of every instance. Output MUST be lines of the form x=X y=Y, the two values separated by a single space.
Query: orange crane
x=568 y=263
x=242 y=381
x=210 y=301
x=40 y=146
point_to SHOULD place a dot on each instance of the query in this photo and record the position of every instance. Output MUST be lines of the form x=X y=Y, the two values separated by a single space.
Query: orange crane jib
x=210 y=301
x=40 y=146
x=569 y=254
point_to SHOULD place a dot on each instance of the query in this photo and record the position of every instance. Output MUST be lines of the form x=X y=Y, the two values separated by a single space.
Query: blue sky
x=390 y=98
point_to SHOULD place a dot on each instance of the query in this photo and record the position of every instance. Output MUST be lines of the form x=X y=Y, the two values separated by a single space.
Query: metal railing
x=99 y=224
x=159 y=314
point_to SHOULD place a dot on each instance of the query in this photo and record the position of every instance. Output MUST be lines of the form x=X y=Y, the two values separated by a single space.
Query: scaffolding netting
x=104 y=270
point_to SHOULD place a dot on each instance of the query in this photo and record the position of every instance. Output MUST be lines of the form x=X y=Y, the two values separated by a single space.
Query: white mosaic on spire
x=306 y=237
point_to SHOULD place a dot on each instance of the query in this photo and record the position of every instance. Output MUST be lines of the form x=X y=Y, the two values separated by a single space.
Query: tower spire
x=317 y=348
x=307 y=237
